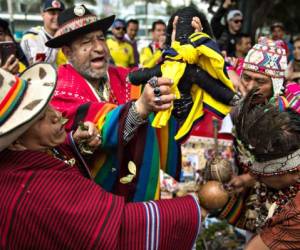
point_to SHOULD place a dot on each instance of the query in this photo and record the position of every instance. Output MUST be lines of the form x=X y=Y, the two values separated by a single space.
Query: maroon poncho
x=48 y=204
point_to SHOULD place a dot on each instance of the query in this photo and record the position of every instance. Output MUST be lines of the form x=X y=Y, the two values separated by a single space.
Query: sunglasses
x=120 y=28
x=238 y=21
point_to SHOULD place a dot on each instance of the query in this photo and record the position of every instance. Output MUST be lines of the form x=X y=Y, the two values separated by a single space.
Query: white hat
x=22 y=99
x=233 y=13
x=268 y=57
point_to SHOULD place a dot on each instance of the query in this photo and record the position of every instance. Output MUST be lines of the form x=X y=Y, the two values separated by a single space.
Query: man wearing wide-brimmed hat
x=49 y=199
x=89 y=89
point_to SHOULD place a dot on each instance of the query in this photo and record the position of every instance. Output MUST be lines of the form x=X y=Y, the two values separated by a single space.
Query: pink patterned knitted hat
x=268 y=57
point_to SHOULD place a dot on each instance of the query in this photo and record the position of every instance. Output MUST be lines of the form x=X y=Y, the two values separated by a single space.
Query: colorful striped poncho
x=150 y=149
x=48 y=204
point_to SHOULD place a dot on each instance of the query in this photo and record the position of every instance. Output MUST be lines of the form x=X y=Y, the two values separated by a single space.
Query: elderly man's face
x=252 y=80
x=89 y=55
x=47 y=132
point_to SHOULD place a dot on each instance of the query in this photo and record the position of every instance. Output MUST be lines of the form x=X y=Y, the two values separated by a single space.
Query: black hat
x=53 y=5
x=77 y=21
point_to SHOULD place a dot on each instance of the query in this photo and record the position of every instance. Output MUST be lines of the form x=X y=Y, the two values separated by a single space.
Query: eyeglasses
x=238 y=21
x=120 y=28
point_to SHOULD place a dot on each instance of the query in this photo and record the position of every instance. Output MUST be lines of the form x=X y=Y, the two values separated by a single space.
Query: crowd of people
x=87 y=121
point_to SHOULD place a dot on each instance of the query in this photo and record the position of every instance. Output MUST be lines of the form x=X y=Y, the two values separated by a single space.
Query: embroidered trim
x=76 y=24
x=278 y=73
x=282 y=165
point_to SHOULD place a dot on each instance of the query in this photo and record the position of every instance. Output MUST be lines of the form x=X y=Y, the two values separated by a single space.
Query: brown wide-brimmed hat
x=22 y=100
x=75 y=22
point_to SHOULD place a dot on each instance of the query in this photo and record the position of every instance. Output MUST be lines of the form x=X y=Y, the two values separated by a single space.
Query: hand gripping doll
x=197 y=68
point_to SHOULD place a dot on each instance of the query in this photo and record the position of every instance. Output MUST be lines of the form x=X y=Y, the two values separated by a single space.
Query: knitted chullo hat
x=268 y=57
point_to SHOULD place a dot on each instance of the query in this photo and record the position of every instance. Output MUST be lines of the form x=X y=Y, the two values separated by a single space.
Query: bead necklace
x=56 y=154
x=267 y=202
x=104 y=90
x=106 y=93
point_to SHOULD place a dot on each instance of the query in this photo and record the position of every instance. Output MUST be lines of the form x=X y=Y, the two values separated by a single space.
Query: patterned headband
x=283 y=165
x=75 y=24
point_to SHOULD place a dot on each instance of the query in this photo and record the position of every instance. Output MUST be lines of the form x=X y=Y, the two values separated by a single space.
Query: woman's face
x=46 y=133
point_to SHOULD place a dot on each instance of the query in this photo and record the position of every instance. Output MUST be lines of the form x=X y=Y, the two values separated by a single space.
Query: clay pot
x=212 y=195
x=219 y=169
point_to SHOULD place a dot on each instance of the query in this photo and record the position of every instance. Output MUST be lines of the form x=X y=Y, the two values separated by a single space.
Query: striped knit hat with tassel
x=268 y=57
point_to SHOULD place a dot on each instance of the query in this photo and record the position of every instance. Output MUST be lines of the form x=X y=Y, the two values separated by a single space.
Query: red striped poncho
x=47 y=204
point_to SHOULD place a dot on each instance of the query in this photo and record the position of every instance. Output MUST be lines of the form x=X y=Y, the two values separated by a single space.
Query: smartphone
x=40 y=56
x=6 y=50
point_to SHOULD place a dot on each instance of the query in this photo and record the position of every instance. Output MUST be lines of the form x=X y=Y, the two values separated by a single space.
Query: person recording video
x=11 y=55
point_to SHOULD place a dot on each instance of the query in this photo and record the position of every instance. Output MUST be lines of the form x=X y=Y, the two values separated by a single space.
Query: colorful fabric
x=11 y=99
x=74 y=24
x=121 y=52
x=292 y=94
x=46 y=204
x=282 y=230
x=268 y=57
x=234 y=212
x=203 y=52
x=161 y=216
x=150 y=56
x=149 y=149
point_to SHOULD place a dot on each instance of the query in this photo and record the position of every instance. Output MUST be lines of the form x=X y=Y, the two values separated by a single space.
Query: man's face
x=48 y=131
x=296 y=51
x=160 y=30
x=252 y=80
x=132 y=30
x=235 y=23
x=244 y=46
x=118 y=32
x=277 y=33
x=89 y=55
x=50 y=20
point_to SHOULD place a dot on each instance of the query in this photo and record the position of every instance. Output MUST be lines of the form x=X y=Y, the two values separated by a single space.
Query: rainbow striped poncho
x=150 y=149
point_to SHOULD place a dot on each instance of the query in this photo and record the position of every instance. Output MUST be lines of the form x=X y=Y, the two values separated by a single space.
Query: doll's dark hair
x=184 y=28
